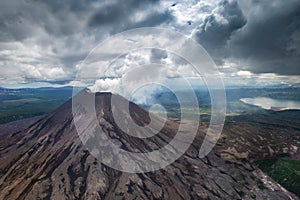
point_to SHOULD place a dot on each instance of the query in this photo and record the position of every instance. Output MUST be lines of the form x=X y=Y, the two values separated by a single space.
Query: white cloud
x=247 y=74
x=36 y=45
x=43 y=73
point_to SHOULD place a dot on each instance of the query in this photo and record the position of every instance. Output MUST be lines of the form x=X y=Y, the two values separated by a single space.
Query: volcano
x=47 y=160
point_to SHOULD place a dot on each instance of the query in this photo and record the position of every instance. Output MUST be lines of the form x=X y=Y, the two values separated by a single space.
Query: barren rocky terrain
x=48 y=161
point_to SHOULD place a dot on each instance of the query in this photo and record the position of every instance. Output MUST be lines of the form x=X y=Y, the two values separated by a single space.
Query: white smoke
x=104 y=85
x=132 y=70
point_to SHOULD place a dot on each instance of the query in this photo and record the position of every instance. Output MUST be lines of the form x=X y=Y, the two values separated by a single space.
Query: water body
x=273 y=104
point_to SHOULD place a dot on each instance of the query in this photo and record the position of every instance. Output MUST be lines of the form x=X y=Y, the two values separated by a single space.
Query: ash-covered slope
x=48 y=161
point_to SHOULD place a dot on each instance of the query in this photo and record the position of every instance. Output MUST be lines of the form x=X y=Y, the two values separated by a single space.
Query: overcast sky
x=251 y=41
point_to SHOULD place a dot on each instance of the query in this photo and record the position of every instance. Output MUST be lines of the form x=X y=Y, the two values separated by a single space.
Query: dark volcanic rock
x=48 y=161
x=19 y=125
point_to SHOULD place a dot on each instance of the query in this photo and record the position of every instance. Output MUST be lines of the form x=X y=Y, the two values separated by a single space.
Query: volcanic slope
x=47 y=160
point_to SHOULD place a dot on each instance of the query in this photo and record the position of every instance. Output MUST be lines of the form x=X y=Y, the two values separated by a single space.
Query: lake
x=273 y=104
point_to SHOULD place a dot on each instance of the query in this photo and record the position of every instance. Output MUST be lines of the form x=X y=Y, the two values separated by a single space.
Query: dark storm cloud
x=270 y=43
x=219 y=27
x=157 y=55
x=259 y=36
x=39 y=35
x=65 y=31
x=26 y=19
x=119 y=15
x=23 y=19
